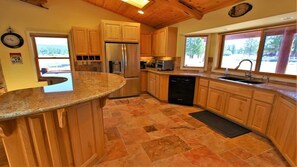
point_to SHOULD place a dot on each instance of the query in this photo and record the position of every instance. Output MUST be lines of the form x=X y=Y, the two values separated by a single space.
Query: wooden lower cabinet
x=282 y=128
x=152 y=84
x=201 y=92
x=73 y=136
x=143 y=81
x=157 y=85
x=202 y=96
x=237 y=108
x=86 y=132
x=216 y=100
x=163 y=87
x=259 y=116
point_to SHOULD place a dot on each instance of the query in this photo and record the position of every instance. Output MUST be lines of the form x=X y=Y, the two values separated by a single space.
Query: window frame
x=183 y=67
x=36 y=58
x=221 y=40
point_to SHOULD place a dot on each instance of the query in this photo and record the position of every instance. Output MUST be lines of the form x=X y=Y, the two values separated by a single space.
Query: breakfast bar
x=57 y=125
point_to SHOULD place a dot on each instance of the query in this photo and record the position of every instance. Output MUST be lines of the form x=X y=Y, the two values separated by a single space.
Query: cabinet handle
x=61 y=117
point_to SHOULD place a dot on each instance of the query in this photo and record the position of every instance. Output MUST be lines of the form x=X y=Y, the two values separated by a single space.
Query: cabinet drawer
x=264 y=96
x=234 y=89
x=203 y=82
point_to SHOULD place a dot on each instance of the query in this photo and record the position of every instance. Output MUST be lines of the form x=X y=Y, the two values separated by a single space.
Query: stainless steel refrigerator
x=123 y=59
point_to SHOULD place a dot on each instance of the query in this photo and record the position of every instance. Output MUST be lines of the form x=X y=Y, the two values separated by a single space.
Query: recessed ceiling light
x=287 y=18
x=140 y=12
x=137 y=3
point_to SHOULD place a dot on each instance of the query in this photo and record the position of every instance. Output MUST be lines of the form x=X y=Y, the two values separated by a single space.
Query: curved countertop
x=285 y=90
x=79 y=87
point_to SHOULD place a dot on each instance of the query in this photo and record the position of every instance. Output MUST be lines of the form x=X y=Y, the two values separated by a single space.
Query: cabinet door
x=163 y=87
x=87 y=145
x=237 y=108
x=80 y=40
x=259 y=116
x=145 y=45
x=202 y=96
x=157 y=86
x=281 y=120
x=94 y=42
x=289 y=149
x=155 y=44
x=130 y=32
x=216 y=100
x=161 y=44
x=112 y=32
x=143 y=81
x=151 y=83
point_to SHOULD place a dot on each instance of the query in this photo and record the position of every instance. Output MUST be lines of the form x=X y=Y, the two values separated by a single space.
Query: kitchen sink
x=237 y=79
x=232 y=78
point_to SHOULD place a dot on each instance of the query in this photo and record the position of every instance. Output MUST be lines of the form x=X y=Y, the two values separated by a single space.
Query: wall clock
x=240 y=9
x=12 y=40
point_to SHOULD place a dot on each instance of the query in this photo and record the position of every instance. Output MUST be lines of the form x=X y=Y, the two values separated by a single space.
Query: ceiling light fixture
x=137 y=3
x=140 y=12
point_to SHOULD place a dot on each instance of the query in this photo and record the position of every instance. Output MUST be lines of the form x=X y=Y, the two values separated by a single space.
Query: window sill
x=201 y=69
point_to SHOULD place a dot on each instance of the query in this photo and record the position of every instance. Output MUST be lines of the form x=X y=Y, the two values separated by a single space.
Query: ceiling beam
x=187 y=8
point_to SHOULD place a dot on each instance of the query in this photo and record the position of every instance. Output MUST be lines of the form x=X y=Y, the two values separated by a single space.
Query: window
x=279 y=53
x=238 y=47
x=195 y=51
x=272 y=50
x=51 y=54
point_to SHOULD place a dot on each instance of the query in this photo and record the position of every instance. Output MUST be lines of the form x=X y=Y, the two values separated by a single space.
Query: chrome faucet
x=248 y=74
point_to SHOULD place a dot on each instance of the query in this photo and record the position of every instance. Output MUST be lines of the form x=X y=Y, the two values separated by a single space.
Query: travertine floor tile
x=164 y=147
x=144 y=132
x=164 y=135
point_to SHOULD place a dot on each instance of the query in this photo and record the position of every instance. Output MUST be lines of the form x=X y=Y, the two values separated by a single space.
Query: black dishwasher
x=181 y=90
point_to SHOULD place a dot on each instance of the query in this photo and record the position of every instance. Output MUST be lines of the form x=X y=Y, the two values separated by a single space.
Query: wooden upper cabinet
x=86 y=41
x=112 y=31
x=164 y=42
x=131 y=32
x=94 y=42
x=117 y=31
x=155 y=44
x=145 y=45
x=80 y=40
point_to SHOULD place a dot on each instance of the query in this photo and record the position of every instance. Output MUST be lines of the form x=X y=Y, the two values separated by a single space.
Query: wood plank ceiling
x=162 y=13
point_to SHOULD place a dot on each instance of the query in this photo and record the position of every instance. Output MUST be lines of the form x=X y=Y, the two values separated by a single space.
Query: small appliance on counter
x=142 y=64
x=164 y=65
x=151 y=63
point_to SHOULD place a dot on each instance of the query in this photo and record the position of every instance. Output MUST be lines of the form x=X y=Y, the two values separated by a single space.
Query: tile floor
x=144 y=132
x=141 y=131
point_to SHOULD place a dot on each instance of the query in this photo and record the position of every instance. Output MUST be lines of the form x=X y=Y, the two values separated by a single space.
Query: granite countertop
x=79 y=87
x=289 y=91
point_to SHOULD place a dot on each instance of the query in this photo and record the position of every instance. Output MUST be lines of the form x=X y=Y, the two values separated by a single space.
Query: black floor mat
x=219 y=124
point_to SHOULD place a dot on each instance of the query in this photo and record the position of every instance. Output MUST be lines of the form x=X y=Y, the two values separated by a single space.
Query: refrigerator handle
x=123 y=60
x=125 y=55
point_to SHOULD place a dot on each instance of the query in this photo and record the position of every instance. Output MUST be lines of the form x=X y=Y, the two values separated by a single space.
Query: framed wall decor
x=16 y=58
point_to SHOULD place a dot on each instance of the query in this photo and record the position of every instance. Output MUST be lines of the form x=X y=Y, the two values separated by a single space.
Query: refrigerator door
x=114 y=58
x=131 y=60
x=132 y=88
